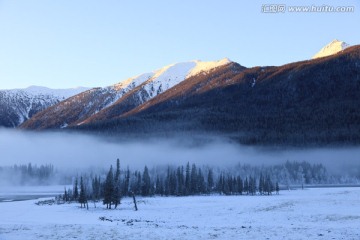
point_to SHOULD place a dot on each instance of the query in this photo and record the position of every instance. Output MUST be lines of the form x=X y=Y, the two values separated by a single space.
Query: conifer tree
x=96 y=188
x=210 y=181
x=220 y=185
x=138 y=183
x=234 y=185
x=231 y=185
x=180 y=182
x=125 y=191
x=187 y=179
x=76 y=190
x=82 y=196
x=225 y=186
x=65 y=197
x=201 y=182
x=159 y=189
x=146 y=183
x=269 y=188
x=183 y=188
x=254 y=186
x=173 y=183
x=240 y=185
x=109 y=188
x=116 y=196
x=261 y=184
x=193 y=180
x=246 y=186
x=167 y=182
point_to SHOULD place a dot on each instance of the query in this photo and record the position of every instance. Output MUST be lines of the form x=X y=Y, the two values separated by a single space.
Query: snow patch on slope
x=332 y=48
x=168 y=77
x=133 y=82
x=120 y=89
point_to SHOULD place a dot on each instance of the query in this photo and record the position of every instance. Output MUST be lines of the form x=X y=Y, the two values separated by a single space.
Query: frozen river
x=17 y=193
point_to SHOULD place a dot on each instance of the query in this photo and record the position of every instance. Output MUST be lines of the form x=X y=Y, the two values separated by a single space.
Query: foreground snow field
x=324 y=213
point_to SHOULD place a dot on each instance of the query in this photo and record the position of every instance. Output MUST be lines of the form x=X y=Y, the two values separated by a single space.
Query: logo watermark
x=283 y=8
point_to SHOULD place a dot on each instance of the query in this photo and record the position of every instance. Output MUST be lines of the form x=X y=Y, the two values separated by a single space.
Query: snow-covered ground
x=324 y=213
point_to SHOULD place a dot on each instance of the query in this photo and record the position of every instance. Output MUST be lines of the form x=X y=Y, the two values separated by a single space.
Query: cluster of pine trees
x=109 y=190
x=179 y=181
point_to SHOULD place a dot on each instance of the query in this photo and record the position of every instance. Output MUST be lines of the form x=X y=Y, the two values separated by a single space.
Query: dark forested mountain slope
x=309 y=102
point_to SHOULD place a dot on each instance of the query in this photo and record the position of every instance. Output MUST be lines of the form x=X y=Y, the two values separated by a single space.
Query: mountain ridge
x=77 y=109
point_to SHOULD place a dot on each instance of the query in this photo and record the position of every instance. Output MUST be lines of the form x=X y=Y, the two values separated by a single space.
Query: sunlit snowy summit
x=332 y=48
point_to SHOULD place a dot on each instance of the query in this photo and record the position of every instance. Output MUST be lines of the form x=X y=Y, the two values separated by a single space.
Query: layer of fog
x=75 y=151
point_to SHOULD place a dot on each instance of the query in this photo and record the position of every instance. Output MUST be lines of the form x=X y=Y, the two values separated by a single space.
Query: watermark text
x=282 y=8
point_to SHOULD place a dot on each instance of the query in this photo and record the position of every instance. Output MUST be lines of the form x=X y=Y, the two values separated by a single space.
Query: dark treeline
x=193 y=180
x=28 y=174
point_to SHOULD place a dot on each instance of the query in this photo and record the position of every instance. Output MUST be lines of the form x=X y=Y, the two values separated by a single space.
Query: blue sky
x=61 y=44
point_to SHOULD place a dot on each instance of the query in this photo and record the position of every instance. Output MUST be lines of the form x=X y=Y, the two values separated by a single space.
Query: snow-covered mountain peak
x=207 y=66
x=332 y=48
x=171 y=75
x=166 y=78
x=175 y=70
x=187 y=69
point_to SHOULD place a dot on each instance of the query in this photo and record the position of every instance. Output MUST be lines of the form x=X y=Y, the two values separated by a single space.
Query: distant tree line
x=191 y=179
x=290 y=173
x=28 y=174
